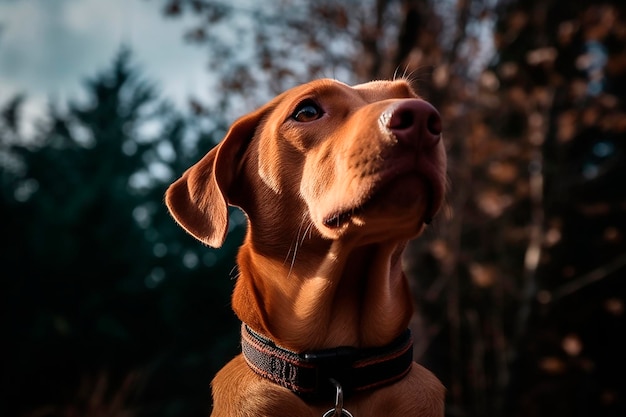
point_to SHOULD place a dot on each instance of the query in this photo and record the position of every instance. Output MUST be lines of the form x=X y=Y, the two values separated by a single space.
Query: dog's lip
x=391 y=173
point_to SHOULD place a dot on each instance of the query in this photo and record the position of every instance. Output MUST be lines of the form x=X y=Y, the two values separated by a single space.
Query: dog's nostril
x=401 y=120
x=434 y=124
x=415 y=122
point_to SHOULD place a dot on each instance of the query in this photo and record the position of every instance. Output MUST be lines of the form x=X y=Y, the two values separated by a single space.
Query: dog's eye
x=307 y=111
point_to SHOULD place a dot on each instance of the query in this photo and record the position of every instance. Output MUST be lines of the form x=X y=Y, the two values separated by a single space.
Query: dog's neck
x=341 y=295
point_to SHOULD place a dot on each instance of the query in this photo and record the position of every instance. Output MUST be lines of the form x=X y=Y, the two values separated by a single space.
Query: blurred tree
x=104 y=298
x=560 y=74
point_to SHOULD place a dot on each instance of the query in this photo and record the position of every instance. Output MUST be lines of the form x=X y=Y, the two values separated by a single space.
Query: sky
x=48 y=47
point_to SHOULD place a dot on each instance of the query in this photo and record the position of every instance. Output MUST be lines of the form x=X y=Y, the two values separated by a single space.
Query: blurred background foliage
x=109 y=309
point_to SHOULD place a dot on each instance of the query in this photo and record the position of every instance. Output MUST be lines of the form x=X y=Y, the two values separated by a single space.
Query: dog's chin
x=401 y=207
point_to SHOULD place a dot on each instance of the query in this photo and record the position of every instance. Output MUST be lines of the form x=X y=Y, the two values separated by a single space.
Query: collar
x=308 y=374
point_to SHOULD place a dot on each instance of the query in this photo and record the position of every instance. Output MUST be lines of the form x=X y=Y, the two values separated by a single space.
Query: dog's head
x=339 y=161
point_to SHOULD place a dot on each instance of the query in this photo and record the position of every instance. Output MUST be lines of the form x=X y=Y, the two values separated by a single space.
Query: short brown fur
x=331 y=203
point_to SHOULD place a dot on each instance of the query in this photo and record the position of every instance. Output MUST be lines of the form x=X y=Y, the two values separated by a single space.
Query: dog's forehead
x=368 y=92
x=385 y=89
x=371 y=91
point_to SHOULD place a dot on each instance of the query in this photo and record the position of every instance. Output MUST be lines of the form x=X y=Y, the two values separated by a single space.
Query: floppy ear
x=198 y=200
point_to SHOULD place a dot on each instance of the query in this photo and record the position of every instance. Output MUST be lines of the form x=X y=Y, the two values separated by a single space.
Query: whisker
x=234 y=273
x=297 y=243
x=294 y=242
x=395 y=73
x=307 y=230
x=404 y=74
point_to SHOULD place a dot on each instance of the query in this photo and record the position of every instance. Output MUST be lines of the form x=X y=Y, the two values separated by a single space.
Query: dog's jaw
x=399 y=207
x=400 y=193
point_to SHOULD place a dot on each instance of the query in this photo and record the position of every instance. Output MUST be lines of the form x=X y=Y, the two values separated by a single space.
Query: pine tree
x=102 y=286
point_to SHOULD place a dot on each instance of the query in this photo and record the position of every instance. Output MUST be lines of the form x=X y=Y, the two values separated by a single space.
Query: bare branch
x=584 y=281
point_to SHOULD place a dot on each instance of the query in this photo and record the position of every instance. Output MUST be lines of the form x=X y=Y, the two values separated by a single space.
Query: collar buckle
x=333 y=364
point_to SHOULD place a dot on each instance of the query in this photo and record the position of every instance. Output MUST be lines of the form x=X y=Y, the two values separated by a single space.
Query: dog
x=334 y=181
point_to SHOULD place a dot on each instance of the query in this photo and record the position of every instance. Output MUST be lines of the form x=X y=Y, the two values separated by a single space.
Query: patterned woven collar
x=308 y=374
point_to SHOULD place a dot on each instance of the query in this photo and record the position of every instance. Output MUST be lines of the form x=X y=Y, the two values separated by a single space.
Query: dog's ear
x=198 y=200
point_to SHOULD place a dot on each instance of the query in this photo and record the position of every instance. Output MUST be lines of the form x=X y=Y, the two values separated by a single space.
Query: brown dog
x=334 y=181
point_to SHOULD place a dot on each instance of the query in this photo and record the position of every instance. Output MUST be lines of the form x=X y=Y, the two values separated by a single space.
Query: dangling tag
x=338 y=411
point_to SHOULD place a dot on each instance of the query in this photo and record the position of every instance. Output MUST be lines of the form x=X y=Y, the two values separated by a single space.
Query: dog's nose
x=415 y=122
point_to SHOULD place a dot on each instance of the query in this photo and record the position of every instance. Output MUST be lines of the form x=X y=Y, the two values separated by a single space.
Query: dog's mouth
x=380 y=194
x=336 y=221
